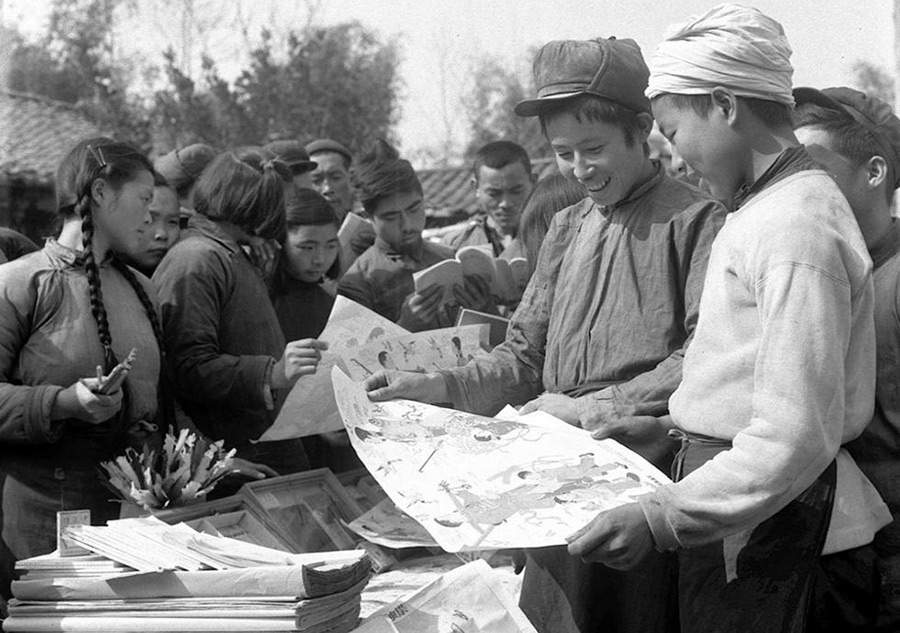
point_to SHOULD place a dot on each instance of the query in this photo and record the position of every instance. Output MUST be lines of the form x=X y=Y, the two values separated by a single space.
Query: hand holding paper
x=556 y=404
x=619 y=538
x=420 y=310
x=82 y=402
x=300 y=359
x=387 y=385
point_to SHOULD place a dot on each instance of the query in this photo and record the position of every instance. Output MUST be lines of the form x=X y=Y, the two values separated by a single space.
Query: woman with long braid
x=66 y=310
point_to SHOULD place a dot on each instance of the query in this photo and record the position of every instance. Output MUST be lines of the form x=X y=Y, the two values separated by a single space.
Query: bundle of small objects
x=185 y=470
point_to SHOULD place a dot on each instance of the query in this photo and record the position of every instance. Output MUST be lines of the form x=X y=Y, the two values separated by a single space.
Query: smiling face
x=706 y=143
x=597 y=155
x=163 y=231
x=121 y=216
x=500 y=194
x=311 y=251
x=399 y=220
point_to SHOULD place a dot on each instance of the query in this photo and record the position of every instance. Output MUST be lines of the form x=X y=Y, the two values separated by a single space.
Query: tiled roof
x=449 y=190
x=35 y=134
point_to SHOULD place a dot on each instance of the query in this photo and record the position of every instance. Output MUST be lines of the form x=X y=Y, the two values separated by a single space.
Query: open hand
x=646 y=435
x=556 y=404
x=264 y=254
x=390 y=384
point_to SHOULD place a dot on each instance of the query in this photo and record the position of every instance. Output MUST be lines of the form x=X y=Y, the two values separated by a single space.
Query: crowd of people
x=743 y=333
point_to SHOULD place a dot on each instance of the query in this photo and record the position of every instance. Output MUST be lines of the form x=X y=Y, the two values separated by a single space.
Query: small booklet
x=498 y=325
x=506 y=279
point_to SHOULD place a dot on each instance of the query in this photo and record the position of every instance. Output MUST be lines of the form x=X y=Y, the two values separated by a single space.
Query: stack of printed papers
x=210 y=588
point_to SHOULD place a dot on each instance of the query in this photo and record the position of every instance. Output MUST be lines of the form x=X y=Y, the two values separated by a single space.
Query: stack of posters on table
x=144 y=575
x=298 y=513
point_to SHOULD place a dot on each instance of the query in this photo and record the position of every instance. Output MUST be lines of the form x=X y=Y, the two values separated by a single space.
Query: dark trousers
x=562 y=594
x=764 y=586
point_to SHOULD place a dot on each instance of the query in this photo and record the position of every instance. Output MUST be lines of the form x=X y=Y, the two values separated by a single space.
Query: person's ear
x=724 y=103
x=100 y=190
x=876 y=172
x=645 y=126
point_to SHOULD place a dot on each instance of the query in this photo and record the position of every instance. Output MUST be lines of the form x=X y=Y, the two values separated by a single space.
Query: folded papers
x=470 y=598
x=315 y=593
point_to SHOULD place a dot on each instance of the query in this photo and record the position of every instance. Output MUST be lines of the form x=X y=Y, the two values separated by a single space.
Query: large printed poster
x=475 y=482
x=362 y=343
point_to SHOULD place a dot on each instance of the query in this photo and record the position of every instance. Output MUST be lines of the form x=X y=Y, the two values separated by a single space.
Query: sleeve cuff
x=268 y=397
x=663 y=534
x=39 y=428
x=596 y=409
x=456 y=389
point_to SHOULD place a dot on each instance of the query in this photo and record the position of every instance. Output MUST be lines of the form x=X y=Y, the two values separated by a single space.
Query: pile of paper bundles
x=144 y=575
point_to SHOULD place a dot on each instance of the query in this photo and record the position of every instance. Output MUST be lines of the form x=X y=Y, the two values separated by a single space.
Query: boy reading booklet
x=506 y=279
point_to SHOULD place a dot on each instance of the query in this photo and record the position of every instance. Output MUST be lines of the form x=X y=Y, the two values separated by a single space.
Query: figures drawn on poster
x=478 y=482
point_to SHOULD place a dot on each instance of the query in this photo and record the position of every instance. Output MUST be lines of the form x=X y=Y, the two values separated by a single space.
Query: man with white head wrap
x=781 y=369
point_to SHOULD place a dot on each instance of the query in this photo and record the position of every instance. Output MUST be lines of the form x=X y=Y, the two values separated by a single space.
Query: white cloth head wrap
x=731 y=46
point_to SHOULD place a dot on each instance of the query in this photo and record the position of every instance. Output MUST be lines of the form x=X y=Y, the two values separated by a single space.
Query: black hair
x=381 y=173
x=499 y=154
x=160 y=181
x=246 y=188
x=115 y=163
x=770 y=113
x=305 y=207
x=589 y=107
x=549 y=196
x=850 y=139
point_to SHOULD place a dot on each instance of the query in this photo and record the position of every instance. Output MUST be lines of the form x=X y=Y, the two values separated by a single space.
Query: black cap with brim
x=328 y=145
x=293 y=154
x=874 y=115
x=612 y=69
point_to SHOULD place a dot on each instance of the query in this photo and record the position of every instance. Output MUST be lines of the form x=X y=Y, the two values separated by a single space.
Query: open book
x=506 y=279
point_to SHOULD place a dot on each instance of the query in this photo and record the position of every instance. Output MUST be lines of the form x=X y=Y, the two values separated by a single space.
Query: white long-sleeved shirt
x=782 y=362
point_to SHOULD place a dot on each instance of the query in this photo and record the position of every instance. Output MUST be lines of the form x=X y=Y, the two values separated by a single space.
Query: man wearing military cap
x=856 y=138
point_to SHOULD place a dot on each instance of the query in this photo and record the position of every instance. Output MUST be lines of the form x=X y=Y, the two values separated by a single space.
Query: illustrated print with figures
x=477 y=482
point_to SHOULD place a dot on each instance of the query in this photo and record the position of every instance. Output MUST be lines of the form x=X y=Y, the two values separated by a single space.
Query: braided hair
x=116 y=163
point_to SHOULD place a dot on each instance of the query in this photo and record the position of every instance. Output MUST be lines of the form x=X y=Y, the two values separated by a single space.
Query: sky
x=441 y=40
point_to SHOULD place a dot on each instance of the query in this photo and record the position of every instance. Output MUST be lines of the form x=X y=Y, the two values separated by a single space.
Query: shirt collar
x=402 y=256
x=206 y=227
x=641 y=188
x=66 y=255
x=789 y=162
x=887 y=245
x=63 y=254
